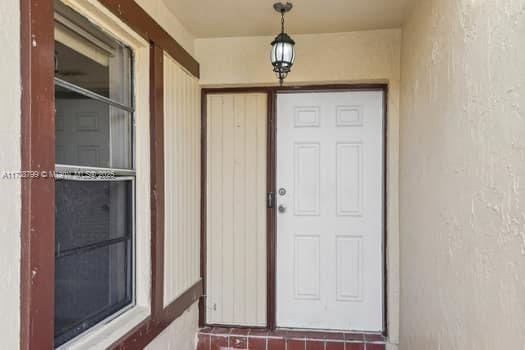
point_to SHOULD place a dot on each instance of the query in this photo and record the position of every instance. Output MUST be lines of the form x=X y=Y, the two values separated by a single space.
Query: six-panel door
x=330 y=217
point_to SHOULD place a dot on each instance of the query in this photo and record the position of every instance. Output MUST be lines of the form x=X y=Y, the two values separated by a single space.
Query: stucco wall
x=462 y=167
x=10 y=161
x=181 y=334
x=366 y=56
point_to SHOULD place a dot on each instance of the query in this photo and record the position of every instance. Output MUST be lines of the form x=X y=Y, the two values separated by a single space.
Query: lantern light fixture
x=283 y=47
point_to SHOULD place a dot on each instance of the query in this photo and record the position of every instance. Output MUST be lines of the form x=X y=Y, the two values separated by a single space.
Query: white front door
x=330 y=210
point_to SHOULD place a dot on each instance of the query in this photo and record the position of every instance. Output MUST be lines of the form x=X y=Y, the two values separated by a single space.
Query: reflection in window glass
x=90 y=132
x=93 y=61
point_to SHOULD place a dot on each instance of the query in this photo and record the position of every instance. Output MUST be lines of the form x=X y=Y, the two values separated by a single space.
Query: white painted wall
x=181 y=334
x=182 y=137
x=462 y=169
x=236 y=209
x=10 y=204
x=356 y=57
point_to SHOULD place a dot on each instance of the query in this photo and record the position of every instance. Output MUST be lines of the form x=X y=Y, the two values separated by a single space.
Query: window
x=95 y=183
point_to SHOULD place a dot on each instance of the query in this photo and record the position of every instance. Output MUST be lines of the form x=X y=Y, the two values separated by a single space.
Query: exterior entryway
x=330 y=184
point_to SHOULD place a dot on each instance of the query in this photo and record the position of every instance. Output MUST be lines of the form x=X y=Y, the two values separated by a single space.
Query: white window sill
x=106 y=333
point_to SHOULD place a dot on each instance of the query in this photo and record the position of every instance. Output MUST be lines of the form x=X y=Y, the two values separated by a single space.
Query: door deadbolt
x=282 y=191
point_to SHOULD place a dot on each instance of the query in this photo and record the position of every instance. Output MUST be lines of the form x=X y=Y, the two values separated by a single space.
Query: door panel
x=236 y=209
x=306 y=178
x=330 y=217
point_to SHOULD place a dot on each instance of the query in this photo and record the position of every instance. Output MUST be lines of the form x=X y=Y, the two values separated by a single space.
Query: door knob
x=282 y=208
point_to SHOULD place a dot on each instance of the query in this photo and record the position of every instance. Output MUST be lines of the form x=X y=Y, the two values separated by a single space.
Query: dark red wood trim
x=181 y=304
x=38 y=194
x=142 y=23
x=138 y=337
x=237 y=90
x=385 y=210
x=331 y=87
x=157 y=178
x=272 y=92
x=145 y=332
x=204 y=171
x=271 y=214
x=294 y=88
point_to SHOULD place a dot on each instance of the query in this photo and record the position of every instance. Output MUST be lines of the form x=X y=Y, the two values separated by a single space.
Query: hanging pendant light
x=283 y=47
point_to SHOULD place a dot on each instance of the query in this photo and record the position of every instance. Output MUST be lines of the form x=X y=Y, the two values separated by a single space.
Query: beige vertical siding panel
x=261 y=210
x=179 y=194
x=169 y=167
x=228 y=183
x=196 y=180
x=238 y=250
x=184 y=172
x=189 y=172
x=182 y=192
x=250 y=195
x=215 y=209
x=210 y=212
x=236 y=225
x=179 y=141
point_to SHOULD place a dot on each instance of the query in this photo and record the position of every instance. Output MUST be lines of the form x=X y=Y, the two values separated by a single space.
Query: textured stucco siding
x=10 y=203
x=462 y=196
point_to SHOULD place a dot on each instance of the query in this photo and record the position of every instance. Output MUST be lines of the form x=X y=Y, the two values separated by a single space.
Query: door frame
x=271 y=176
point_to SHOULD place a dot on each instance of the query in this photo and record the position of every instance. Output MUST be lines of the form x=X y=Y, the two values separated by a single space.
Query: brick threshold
x=229 y=338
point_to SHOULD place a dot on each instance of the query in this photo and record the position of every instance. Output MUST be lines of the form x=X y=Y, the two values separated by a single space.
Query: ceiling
x=226 y=18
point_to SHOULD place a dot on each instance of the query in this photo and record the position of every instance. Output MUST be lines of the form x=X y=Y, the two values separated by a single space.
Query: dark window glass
x=93 y=253
x=89 y=212
x=89 y=287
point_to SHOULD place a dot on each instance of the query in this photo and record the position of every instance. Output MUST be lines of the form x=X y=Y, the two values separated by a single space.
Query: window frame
x=90 y=173
x=114 y=326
